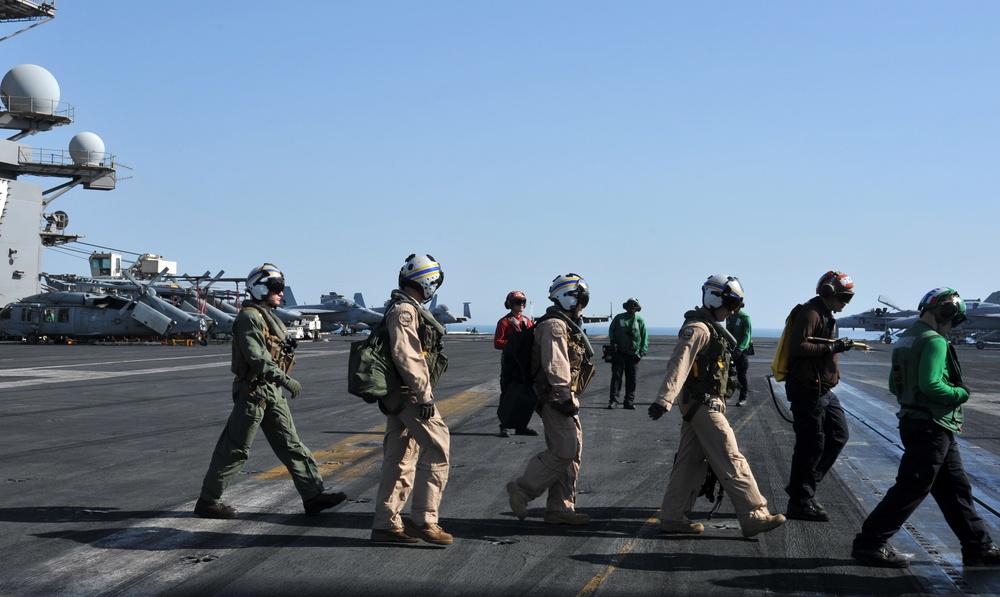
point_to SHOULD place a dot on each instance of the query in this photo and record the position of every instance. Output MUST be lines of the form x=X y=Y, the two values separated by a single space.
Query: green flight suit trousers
x=233 y=448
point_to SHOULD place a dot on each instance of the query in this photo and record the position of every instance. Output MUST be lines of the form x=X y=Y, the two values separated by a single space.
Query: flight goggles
x=844 y=297
x=274 y=284
x=731 y=301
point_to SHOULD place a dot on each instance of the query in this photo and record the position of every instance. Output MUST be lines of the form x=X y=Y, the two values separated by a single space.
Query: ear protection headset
x=512 y=295
x=825 y=288
x=949 y=309
x=946 y=305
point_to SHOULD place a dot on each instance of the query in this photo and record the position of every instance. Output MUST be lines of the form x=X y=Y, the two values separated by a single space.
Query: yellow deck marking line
x=595 y=583
x=340 y=461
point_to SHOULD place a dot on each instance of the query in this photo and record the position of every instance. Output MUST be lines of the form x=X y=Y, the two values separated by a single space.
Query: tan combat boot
x=755 y=526
x=429 y=532
x=566 y=517
x=518 y=505
x=681 y=526
x=392 y=536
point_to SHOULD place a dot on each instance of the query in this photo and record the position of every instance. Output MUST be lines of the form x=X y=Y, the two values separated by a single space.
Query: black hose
x=774 y=397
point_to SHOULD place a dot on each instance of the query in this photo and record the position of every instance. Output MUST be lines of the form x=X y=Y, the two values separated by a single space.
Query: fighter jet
x=877 y=319
x=980 y=328
x=333 y=310
x=444 y=315
x=441 y=313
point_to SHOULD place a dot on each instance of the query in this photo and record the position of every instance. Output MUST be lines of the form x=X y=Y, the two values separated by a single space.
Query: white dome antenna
x=86 y=149
x=31 y=89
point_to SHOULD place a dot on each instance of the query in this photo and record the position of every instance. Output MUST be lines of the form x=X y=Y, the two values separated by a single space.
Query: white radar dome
x=86 y=149
x=29 y=88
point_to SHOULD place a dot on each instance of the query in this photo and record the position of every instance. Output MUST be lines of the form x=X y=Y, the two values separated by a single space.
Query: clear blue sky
x=643 y=145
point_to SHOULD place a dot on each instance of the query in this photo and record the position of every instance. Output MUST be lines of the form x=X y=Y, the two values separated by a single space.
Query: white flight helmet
x=722 y=291
x=423 y=273
x=264 y=279
x=569 y=290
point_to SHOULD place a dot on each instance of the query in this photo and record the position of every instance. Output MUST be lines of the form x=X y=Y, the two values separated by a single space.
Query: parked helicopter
x=70 y=315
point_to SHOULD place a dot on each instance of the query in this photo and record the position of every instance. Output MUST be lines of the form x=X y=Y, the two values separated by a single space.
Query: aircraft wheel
x=33 y=338
x=980 y=345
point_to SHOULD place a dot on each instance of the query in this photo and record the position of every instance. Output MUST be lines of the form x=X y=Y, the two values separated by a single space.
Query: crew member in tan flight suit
x=560 y=359
x=417 y=441
x=699 y=372
x=262 y=361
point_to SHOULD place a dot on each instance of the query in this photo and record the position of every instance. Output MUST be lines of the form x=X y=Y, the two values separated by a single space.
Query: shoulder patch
x=686 y=332
x=558 y=331
x=405 y=317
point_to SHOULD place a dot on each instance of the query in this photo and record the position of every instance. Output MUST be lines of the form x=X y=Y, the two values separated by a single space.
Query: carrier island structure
x=30 y=104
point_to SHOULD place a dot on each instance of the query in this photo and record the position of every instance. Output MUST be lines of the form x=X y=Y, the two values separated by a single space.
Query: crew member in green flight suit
x=262 y=359
x=927 y=381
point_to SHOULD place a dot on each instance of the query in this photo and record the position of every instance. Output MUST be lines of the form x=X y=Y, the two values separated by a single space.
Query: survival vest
x=711 y=373
x=580 y=351
x=905 y=380
x=276 y=340
x=431 y=334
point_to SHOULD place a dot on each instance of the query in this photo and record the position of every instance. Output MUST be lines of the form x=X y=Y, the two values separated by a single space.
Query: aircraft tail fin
x=993 y=298
x=889 y=302
x=434 y=302
x=467 y=311
x=359 y=299
x=289 y=299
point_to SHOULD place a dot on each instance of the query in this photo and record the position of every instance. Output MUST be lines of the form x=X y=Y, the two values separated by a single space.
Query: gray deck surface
x=103 y=449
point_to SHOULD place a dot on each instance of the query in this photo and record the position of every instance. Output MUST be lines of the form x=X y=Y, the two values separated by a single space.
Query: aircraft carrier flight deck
x=104 y=449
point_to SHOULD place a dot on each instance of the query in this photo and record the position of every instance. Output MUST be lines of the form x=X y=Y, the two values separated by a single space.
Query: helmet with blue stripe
x=569 y=291
x=422 y=273
x=722 y=291
x=264 y=280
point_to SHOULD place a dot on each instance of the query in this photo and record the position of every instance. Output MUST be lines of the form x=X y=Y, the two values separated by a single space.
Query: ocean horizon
x=601 y=329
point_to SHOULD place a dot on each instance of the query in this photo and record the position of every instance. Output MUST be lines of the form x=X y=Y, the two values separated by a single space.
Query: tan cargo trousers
x=557 y=468
x=707 y=439
x=415 y=456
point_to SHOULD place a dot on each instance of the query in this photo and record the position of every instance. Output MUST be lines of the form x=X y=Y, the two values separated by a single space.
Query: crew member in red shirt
x=511 y=323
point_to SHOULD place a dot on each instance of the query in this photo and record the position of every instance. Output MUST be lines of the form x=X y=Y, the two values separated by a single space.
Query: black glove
x=566 y=407
x=637 y=358
x=656 y=411
x=841 y=345
x=293 y=386
x=427 y=410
